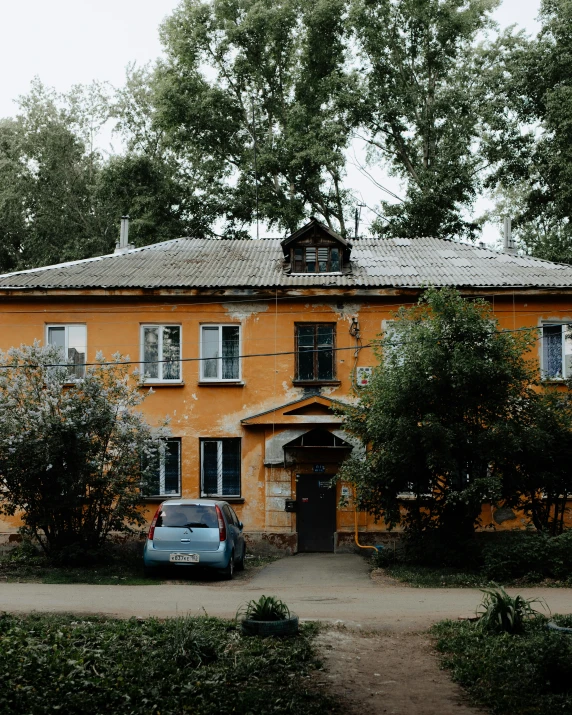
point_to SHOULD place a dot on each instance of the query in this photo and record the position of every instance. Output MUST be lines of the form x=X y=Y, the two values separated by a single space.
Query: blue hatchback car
x=195 y=532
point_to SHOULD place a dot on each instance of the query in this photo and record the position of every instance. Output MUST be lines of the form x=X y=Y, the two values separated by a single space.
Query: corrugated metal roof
x=223 y=263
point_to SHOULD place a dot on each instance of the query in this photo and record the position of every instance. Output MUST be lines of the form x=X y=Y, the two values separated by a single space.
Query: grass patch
x=120 y=565
x=527 y=674
x=436 y=577
x=203 y=666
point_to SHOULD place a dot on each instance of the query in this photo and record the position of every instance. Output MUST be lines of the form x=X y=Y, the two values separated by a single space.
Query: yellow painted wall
x=113 y=324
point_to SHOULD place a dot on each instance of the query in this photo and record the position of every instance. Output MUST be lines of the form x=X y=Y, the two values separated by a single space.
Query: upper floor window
x=220 y=352
x=72 y=341
x=161 y=352
x=220 y=467
x=315 y=345
x=316 y=259
x=556 y=352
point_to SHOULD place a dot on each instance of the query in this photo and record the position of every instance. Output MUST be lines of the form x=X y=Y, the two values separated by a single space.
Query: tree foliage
x=534 y=148
x=422 y=106
x=438 y=417
x=259 y=76
x=71 y=453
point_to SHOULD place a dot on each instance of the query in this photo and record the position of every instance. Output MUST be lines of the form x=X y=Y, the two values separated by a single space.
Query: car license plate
x=184 y=558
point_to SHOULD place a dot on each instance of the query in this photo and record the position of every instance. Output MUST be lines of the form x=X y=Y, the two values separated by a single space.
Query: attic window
x=316 y=259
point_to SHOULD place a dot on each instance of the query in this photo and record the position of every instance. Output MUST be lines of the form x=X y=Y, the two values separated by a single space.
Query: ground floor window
x=220 y=467
x=165 y=479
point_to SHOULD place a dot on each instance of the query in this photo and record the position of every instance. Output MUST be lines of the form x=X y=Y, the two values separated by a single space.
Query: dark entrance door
x=316 y=513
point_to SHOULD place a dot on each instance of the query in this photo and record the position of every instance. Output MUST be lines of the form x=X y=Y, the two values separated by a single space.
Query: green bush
x=529 y=673
x=529 y=556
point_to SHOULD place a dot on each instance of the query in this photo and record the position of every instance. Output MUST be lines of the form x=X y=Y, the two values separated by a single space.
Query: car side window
x=234 y=516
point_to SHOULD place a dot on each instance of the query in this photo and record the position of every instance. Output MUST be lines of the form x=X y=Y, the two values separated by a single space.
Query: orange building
x=248 y=346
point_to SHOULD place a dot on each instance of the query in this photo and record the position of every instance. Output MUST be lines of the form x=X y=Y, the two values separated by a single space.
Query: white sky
x=67 y=42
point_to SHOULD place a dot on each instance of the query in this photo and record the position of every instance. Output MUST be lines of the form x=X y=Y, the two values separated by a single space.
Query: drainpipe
x=361 y=546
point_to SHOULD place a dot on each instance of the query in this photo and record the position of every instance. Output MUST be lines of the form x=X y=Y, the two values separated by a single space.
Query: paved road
x=329 y=587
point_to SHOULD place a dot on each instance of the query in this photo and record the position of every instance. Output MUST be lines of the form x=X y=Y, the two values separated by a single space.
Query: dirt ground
x=390 y=673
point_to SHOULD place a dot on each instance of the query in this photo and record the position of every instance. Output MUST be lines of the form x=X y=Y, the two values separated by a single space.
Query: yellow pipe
x=361 y=546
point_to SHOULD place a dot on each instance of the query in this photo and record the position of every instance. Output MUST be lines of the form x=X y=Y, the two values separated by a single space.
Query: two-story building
x=249 y=344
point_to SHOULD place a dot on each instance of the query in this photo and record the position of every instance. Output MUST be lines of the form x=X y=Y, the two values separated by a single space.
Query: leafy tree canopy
x=422 y=106
x=258 y=87
x=436 y=417
x=71 y=453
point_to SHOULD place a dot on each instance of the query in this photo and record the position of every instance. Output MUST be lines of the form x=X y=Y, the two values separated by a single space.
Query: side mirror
x=240 y=525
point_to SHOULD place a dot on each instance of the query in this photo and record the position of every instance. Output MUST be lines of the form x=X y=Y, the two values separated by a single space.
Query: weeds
x=501 y=613
x=529 y=673
x=202 y=666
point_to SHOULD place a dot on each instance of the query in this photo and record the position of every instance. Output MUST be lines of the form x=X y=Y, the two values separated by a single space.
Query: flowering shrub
x=72 y=453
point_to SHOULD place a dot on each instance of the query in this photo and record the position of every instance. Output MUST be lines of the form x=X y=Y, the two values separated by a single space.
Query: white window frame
x=66 y=327
x=219 y=484
x=143 y=366
x=566 y=369
x=219 y=360
x=162 y=492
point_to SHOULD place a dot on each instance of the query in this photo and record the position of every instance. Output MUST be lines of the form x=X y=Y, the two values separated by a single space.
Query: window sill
x=554 y=380
x=221 y=497
x=317 y=383
x=220 y=383
x=160 y=497
x=162 y=383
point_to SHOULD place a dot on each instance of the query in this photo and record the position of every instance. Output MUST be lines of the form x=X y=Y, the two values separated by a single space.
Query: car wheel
x=240 y=564
x=228 y=572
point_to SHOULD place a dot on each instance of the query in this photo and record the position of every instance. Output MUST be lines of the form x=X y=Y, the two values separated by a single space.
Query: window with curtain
x=220 y=352
x=72 y=341
x=556 y=355
x=220 y=467
x=165 y=471
x=161 y=352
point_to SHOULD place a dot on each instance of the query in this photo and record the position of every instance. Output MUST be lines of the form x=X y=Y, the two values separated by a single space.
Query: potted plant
x=268 y=616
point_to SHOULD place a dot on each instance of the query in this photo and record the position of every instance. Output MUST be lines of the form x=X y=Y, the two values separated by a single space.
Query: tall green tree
x=252 y=93
x=422 y=107
x=534 y=146
x=436 y=418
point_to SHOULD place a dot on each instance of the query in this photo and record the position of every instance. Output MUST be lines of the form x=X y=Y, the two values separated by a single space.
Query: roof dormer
x=315 y=248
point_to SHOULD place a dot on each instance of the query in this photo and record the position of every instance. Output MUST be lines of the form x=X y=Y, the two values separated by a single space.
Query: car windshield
x=188 y=515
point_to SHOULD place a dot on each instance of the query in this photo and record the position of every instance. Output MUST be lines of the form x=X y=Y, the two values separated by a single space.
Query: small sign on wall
x=319 y=468
x=363 y=376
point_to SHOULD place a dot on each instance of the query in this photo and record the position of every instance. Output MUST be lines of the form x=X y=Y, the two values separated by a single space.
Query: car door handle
x=185 y=541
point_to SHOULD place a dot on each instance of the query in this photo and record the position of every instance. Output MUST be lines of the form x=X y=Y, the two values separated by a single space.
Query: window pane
x=231 y=466
x=306 y=352
x=172 y=352
x=325 y=340
x=323 y=260
x=152 y=473
x=151 y=352
x=77 y=350
x=552 y=351
x=230 y=352
x=311 y=260
x=335 y=259
x=210 y=351
x=57 y=337
x=172 y=466
x=210 y=468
